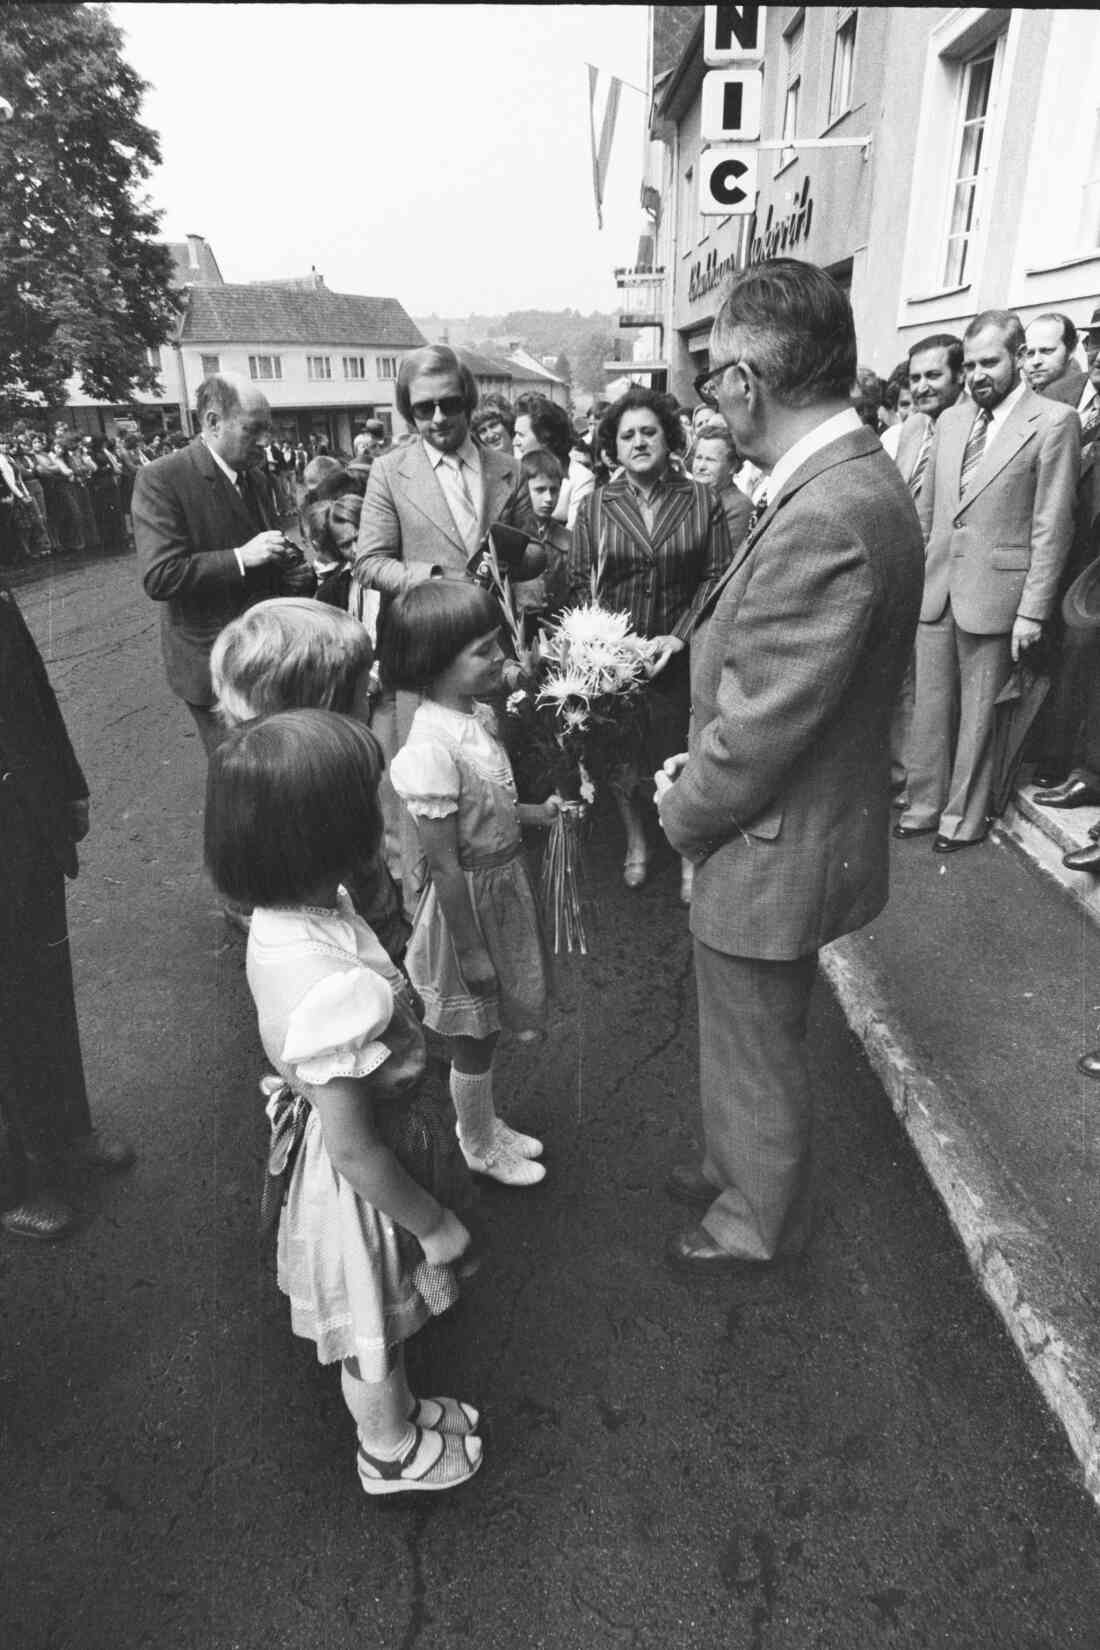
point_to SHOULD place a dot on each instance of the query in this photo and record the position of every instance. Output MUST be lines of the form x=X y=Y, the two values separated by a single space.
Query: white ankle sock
x=472 y=1093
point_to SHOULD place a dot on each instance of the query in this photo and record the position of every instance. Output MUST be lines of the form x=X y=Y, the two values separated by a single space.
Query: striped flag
x=601 y=149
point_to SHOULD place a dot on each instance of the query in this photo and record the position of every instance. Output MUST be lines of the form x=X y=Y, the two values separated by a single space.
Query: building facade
x=937 y=161
x=326 y=361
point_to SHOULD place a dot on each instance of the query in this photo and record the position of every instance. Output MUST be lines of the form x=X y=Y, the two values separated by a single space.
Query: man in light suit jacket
x=782 y=802
x=427 y=507
x=206 y=541
x=997 y=514
x=935 y=383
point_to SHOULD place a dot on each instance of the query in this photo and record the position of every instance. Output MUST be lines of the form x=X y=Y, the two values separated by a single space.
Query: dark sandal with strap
x=421 y=1467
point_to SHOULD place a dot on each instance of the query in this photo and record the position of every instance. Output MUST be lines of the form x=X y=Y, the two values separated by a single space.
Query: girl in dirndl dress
x=365 y=1246
x=477 y=954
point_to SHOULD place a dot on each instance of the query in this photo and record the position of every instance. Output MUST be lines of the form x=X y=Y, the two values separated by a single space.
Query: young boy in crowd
x=542 y=475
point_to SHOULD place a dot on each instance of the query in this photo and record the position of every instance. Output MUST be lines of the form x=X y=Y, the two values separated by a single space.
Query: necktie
x=921 y=465
x=249 y=501
x=462 y=503
x=757 y=511
x=975 y=447
x=1090 y=420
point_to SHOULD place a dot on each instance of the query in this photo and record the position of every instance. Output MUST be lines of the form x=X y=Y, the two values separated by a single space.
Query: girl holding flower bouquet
x=651 y=543
x=477 y=955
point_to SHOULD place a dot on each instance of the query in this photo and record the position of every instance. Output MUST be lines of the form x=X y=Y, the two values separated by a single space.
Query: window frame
x=847 y=25
x=384 y=362
x=258 y=376
x=322 y=362
x=794 y=44
x=354 y=368
x=206 y=369
x=990 y=52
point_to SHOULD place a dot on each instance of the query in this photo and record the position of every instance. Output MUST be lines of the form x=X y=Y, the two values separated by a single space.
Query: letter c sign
x=727 y=181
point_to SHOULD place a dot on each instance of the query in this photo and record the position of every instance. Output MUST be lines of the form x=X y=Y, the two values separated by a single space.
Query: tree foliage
x=588 y=370
x=84 y=287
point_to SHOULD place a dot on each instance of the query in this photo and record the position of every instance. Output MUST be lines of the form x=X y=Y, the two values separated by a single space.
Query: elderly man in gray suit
x=427 y=507
x=783 y=800
x=997 y=514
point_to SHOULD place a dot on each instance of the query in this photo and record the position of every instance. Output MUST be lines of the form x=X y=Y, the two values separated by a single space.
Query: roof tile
x=266 y=312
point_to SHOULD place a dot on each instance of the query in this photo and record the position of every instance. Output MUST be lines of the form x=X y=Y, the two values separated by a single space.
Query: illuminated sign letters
x=731 y=105
x=732 y=34
x=727 y=181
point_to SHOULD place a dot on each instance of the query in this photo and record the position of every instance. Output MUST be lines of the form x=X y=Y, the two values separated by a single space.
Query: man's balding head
x=234 y=418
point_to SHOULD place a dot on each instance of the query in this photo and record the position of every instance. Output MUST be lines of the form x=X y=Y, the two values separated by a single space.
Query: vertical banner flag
x=601 y=150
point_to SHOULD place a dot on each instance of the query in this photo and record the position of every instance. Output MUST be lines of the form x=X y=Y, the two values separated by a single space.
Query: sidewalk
x=973 y=994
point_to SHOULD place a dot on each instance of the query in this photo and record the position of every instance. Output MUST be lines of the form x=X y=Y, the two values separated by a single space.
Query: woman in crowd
x=103 y=486
x=79 y=459
x=493 y=424
x=715 y=462
x=652 y=543
x=59 y=483
x=541 y=423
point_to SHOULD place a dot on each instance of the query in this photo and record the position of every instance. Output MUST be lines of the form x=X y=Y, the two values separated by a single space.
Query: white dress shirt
x=469 y=458
x=842 y=423
x=1000 y=413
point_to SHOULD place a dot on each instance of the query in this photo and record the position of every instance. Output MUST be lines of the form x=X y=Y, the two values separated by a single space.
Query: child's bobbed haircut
x=291 y=800
x=427 y=626
x=290 y=653
x=540 y=461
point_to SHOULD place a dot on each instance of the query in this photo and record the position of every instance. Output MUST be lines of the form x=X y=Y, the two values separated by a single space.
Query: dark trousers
x=42 y=1095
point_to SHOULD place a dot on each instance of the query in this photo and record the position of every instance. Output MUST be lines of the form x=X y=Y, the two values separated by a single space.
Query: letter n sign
x=732 y=100
x=727 y=181
x=732 y=34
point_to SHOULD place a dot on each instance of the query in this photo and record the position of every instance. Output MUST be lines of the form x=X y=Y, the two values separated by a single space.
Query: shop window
x=976 y=85
x=319 y=367
x=1088 y=233
x=265 y=366
x=355 y=366
x=211 y=365
x=844 y=57
x=387 y=366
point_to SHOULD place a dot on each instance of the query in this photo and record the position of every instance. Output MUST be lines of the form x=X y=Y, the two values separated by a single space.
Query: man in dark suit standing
x=783 y=800
x=43 y=815
x=206 y=541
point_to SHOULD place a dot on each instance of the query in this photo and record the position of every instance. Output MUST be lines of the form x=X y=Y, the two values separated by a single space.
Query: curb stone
x=1049 y=1315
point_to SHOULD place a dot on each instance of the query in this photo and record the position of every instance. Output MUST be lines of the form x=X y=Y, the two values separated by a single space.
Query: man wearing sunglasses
x=428 y=505
x=783 y=801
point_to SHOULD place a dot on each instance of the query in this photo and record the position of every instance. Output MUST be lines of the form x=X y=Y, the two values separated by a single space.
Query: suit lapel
x=675 y=505
x=223 y=494
x=1017 y=432
x=856 y=444
x=498 y=478
x=426 y=495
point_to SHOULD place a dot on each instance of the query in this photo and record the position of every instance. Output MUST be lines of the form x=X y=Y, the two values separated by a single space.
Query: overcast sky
x=436 y=154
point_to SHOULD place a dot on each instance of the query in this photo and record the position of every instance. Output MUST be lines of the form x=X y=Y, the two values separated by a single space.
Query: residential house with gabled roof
x=326 y=361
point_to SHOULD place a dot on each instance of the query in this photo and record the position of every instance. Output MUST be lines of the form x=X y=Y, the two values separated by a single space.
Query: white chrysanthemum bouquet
x=581 y=720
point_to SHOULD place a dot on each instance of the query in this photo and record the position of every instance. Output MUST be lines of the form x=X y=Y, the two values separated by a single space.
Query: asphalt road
x=845 y=1454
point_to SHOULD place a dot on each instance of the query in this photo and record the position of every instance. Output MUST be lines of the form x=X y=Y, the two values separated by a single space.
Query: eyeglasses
x=449 y=405
x=699 y=383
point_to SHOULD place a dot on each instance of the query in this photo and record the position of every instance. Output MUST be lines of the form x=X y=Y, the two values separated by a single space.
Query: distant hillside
x=584 y=340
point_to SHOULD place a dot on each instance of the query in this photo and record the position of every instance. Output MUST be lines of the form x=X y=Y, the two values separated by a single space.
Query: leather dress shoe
x=1076 y=793
x=954 y=844
x=903 y=831
x=1089 y=1064
x=102 y=1150
x=1083 y=859
x=696 y=1251
x=45 y=1216
x=690 y=1186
